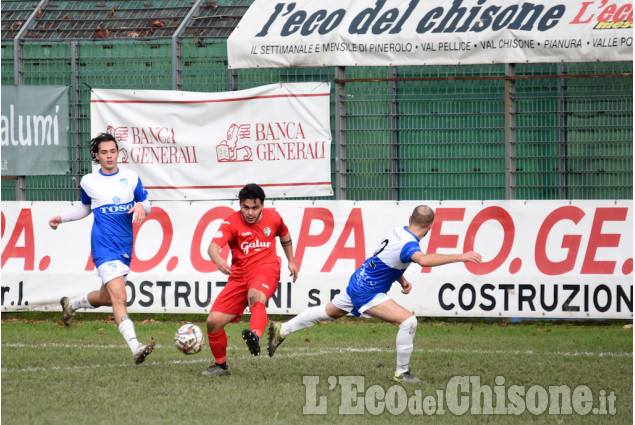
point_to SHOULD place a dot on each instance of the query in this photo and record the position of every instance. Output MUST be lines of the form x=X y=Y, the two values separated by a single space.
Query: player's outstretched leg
x=142 y=352
x=70 y=307
x=309 y=317
x=275 y=337
x=252 y=341
x=67 y=314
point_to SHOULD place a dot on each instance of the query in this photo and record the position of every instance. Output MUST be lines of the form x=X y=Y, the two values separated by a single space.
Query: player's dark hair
x=251 y=191
x=95 y=142
x=423 y=215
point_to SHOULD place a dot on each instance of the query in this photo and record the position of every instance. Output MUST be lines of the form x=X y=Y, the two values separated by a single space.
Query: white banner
x=315 y=33
x=201 y=146
x=542 y=259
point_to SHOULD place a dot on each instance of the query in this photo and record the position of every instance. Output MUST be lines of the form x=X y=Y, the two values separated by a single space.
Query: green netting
x=437 y=132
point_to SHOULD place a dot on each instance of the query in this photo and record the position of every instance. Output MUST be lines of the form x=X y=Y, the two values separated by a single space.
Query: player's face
x=107 y=156
x=251 y=209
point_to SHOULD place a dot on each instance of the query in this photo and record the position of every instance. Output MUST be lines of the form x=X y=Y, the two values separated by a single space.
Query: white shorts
x=111 y=270
x=343 y=302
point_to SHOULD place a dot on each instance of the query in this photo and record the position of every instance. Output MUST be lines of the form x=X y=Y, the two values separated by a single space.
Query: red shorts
x=233 y=298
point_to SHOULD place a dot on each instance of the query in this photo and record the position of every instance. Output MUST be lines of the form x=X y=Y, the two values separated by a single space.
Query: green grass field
x=340 y=372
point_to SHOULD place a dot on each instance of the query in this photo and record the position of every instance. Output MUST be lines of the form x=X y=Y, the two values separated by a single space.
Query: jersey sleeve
x=140 y=193
x=282 y=228
x=224 y=234
x=408 y=250
x=84 y=197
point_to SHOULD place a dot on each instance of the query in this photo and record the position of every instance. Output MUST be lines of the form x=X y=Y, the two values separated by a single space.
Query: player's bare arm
x=139 y=214
x=287 y=247
x=406 y=286
x=433 y=260
x=214 y=254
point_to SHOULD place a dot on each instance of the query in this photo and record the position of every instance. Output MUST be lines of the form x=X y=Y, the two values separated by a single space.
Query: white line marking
x=297 y=352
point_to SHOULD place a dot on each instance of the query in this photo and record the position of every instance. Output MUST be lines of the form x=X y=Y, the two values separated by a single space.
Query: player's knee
x=105 y=300
x=333 y=312
x=410 y=324
x=212 y=325
x=256 y=296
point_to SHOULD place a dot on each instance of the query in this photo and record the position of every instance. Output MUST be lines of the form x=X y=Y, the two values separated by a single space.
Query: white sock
x=126 y=329
x=306 y=319
x=79 y=302
x=405 y=338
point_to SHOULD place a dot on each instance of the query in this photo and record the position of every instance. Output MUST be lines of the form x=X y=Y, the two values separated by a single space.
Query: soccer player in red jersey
x=253 y=276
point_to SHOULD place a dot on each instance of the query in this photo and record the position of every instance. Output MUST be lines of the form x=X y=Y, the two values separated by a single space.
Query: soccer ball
x=188 y=339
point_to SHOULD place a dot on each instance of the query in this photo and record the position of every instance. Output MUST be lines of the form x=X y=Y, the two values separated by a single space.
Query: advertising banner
x=202 y=146
x=315 y=33
x=34 y=130
x=541 y=259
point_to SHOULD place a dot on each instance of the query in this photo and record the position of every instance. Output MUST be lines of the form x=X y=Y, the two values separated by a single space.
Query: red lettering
x=260 y=134
x=90 y=265
x=624 y=13
x=155 y=155
x=200 y=263
x=269 y=133
x=306 y=240
x=173 y=153
x=437 y=240
x=502 y=216
x=143 y=137
x=279 y=131
x=135 y=135
x=356 y=252
x=282 y=129
x=260 y=149
x=160 y=216
x=607 y=13
x=569 y=242
x=154 y=136
x=597 y=239
x=24 y=224
x=577 y=19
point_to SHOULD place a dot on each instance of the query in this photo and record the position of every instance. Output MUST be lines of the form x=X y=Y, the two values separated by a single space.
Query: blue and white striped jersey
x=110 y=197
x=388 y=263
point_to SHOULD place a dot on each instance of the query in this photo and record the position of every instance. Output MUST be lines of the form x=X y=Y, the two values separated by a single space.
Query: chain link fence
x=468 y=132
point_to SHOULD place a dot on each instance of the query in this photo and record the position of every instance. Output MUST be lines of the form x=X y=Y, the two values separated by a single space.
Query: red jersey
x=252 y=245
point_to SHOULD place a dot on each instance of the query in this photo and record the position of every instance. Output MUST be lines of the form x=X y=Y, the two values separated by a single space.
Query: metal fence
x=468 y=132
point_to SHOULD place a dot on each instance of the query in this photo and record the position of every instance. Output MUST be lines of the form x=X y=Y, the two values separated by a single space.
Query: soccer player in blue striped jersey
x=117 y=198
x=366 y=294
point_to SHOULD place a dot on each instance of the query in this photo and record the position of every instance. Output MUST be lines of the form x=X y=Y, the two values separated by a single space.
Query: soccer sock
x=258 y=321
x=126 y=329
x=218 y=345
x=306 y=319
x=79 y=302
x=405 y=338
